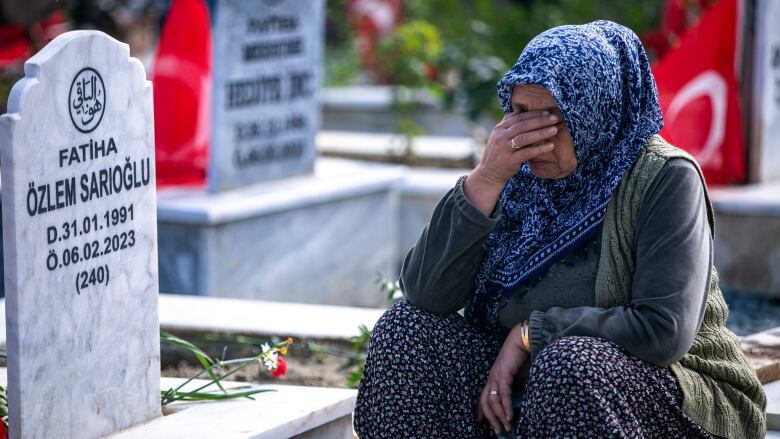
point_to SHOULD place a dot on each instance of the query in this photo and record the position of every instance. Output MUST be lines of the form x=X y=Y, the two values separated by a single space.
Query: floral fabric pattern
x=424 y=374
x=590 y=387
x=600 y=77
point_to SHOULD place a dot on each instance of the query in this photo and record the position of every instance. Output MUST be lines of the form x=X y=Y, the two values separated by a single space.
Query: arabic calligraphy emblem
x=87 y=100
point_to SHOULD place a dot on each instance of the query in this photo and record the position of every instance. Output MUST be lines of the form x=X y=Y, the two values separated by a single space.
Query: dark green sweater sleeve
x=438 y=272
x=669 y=292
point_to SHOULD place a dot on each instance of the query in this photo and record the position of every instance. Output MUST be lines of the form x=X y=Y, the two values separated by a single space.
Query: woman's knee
x=403 y=325
x=403 y=316
x=400 y=316
x=575 y=357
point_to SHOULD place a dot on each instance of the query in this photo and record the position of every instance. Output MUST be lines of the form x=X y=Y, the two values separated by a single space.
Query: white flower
x=271 y=360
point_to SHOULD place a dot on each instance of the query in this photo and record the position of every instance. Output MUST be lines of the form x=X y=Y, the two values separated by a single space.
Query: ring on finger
x=514 y=145
x=494 y=392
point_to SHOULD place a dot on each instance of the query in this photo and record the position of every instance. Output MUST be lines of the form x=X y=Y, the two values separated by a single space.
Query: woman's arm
x=438 y=272
x=669 y=293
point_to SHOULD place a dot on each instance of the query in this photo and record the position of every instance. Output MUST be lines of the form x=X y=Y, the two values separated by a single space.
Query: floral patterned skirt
x=424 y=374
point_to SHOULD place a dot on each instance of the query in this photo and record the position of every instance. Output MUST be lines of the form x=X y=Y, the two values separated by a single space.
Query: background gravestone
x=254 y=233
x=766 y=92
x=266 y=72
x=80 y=245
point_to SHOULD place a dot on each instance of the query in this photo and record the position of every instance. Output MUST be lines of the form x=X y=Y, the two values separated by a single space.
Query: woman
x=581 y=248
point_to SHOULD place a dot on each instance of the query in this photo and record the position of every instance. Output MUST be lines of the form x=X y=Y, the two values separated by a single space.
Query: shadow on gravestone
x=80 y=241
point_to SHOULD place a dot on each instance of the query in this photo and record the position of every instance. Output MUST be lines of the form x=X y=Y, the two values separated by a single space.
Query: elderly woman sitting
x=581 y=249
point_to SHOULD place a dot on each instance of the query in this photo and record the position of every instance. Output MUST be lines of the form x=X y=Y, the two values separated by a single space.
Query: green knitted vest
x=720 y=390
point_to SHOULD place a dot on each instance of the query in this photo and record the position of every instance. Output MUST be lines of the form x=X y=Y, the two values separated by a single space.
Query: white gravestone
x=80 y=244
x=767 y=90
x=266 y=72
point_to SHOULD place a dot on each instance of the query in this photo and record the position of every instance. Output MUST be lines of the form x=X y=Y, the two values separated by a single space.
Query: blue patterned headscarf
x=600 y=78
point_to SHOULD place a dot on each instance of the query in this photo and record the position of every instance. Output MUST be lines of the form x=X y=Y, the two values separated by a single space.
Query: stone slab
x=376 y=146
x=747 y=238
x=422 y=190
x=218 y=315
x=267 y=67
x=767 y=339
x=211 y=314
x=370 y=109
x=754 y=199
x=82 y=329
x=339 y=429
x=747 y=253
x=316 y=239
x=333 y=180
x=765 y=118
x=371 y=97
x=772 y=405
x=287 y=412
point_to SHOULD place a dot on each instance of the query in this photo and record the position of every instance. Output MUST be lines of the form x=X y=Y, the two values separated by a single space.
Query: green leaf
x=205 y=361
x=353 y=379
x=210 y=396
x=169 y=338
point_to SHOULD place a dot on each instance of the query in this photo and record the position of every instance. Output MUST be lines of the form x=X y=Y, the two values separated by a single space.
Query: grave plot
x=80 y=261
x=272 y=220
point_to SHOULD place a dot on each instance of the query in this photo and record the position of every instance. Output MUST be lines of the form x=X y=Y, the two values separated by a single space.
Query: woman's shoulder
x=679 y=166
x=672 y=163
x=677 y=175
x=664 y=178
x=659 y=162
x=657 y=149
x=664 y=166
x=676 y=192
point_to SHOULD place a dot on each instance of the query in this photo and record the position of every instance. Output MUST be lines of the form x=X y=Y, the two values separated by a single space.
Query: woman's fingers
x=531 y=137
x=529 y=152
x=497 y=410
x=531 y=124
x=511 y=119
x=500 y=160
x=487 y=410
x=505 y=390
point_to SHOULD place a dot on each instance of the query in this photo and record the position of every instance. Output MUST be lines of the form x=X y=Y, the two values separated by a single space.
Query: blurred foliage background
x=458 y=49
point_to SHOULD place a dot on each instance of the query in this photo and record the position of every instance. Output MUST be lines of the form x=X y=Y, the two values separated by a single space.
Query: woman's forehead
x=528 y=97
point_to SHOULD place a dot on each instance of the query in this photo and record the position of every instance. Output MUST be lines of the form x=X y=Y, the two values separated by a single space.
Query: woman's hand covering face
x=562 y=160
x=531 y=132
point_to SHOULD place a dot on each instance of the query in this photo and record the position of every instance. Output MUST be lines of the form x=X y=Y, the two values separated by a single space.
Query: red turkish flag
x=699 y=94
x=181 y=75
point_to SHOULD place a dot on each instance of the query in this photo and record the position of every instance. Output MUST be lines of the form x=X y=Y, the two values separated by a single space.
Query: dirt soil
x=321 y=363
